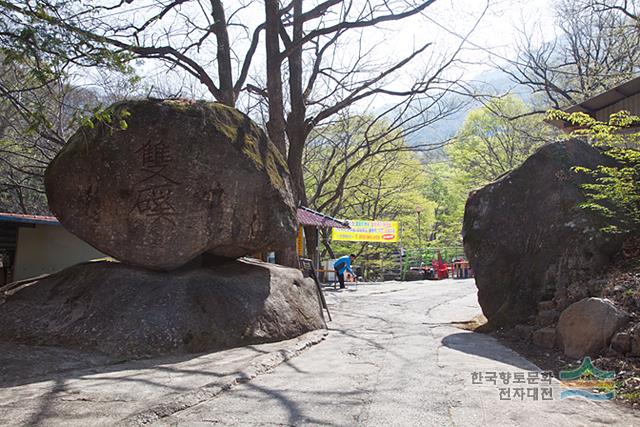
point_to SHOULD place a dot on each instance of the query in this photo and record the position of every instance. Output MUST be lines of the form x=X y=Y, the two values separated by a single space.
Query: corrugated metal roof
x=310 y=217
x=598 y=106
x=610 y=97
x=28 y=219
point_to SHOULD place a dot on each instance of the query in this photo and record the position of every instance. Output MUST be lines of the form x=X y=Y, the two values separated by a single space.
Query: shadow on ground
x=484 y=346
x=48 y=385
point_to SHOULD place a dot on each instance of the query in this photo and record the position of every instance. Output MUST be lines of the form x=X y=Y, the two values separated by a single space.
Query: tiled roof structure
x=308 y=216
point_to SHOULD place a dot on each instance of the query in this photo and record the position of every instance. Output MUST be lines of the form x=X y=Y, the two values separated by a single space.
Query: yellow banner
x=300 y=242
x=368 y=231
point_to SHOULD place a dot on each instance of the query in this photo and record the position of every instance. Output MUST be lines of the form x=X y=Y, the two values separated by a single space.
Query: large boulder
x=181 y=178
x=585 y=328
x=528 y=239
x=129 y=312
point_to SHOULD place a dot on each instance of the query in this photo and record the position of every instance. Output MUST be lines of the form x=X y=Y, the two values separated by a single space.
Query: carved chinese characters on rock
x=156 y=189
x=184 y=178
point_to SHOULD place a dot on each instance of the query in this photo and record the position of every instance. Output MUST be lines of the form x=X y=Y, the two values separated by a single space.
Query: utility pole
x=419 y=211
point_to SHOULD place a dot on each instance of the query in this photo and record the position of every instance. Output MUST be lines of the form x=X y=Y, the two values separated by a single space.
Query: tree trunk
x=296 y=126
x=327 y=246
x=276 y=126
x=225 y=76
x=311 y=240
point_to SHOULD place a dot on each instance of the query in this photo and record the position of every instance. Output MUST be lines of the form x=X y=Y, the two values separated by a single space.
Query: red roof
x=308 y=216
x=29 y=219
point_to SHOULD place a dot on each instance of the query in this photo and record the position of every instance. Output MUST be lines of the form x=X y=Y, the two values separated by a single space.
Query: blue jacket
x=343 y=264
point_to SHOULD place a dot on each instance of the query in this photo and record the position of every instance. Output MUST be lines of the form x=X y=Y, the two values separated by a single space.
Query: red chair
x=440 y=269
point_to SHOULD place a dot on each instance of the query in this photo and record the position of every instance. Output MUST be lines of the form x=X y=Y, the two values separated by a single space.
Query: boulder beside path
x=130 y=312
x=181 y=178
x=528 y=239
x=585 y=328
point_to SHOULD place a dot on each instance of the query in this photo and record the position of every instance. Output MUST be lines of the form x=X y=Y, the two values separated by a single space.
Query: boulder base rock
x=585 y=328
x=621 y=342
x=183 y=178
x=526 y=237
x=545 y=337
x=130 y=312
x=634 y=342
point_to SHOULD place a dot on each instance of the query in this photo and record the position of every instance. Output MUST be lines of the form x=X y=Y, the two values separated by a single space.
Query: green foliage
x=42 y=47
x=391 y=183
x=390 y=189
x=448 y=188
x=42 y=44
x=35 y=121
x=48 y=36
x=115 y=119
x=495 y=139
x=354 y=169
x=614 y=190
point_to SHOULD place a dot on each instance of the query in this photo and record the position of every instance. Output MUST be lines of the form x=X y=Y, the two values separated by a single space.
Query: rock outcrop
x=585 y=328
x=181 y=179
x=621 y=342
x=528 y=240
x=545 y=337
x=634 y=342
x=130 y=312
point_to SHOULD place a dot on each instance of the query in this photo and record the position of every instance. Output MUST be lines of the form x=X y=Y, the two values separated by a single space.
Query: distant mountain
x=484 y=85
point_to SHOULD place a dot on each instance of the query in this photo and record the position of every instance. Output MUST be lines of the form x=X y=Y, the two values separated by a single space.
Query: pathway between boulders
x=391 y=357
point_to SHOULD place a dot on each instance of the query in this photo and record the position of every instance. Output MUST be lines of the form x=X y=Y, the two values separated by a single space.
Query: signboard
x=368 y=231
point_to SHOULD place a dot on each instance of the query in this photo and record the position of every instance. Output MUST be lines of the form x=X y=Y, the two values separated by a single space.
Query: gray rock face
x=130 y=312
x=528 y=240
x=585 y=328
x=182 y=179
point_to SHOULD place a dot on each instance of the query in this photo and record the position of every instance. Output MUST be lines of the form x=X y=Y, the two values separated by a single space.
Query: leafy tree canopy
x=495 y=139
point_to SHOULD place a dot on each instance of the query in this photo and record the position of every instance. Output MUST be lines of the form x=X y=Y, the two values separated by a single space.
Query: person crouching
x=343 y=264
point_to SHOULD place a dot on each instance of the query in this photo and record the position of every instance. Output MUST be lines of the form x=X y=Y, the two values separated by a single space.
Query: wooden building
x=32 y=245
x=623 y=97
x=316 y=220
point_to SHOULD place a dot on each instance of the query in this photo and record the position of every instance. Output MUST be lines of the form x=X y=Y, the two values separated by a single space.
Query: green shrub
x=614 y=190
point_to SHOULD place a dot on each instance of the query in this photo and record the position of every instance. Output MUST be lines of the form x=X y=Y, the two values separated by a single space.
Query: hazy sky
x=444 y=24
x=501 y=23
